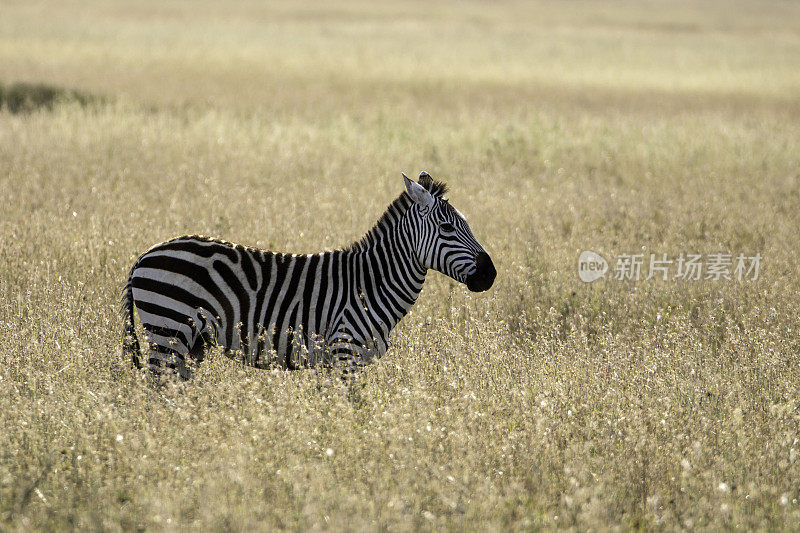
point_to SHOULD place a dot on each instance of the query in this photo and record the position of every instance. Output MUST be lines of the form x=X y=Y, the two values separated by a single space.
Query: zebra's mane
x=396 y=210
x=436 y=188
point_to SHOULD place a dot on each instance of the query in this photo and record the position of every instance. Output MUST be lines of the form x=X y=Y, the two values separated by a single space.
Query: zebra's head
x=443 y=240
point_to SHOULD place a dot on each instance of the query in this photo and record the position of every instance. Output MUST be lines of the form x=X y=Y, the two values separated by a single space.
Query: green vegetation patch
x=24 y=97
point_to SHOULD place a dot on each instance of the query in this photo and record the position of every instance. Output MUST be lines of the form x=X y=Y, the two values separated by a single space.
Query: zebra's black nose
x=484 y=274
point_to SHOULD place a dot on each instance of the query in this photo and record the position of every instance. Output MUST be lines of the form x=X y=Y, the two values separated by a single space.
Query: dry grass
x=546 y=402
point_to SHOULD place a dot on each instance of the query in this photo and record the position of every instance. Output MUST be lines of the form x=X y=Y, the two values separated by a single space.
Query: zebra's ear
x=419 y=194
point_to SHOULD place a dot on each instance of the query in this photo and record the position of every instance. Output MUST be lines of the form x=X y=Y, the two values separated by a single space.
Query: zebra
x=335 y=308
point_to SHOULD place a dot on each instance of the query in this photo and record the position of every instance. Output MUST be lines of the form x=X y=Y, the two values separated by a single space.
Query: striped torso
x=279 y=309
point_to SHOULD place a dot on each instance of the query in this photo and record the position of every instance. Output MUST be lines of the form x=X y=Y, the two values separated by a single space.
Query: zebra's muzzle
x=484 y=274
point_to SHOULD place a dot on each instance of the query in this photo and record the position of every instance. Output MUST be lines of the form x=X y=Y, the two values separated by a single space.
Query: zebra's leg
x=347 y=357
x=205 y=329
x=167 y=351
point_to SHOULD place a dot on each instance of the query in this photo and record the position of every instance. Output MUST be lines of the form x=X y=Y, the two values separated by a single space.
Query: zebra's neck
x=388 y=275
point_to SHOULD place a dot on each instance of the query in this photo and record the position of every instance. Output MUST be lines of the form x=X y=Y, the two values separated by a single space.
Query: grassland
x=620 y=127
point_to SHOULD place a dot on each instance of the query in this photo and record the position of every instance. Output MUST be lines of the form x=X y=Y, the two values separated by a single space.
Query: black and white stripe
x=335 y=308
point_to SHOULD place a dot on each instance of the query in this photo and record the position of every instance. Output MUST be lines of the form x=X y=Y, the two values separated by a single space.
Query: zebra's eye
x=447 y=227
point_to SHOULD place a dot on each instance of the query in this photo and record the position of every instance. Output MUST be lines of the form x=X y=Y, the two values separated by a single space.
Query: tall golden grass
x=622 y=127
